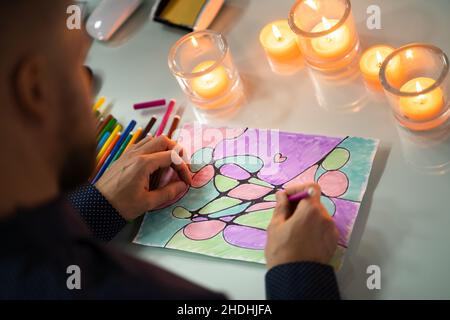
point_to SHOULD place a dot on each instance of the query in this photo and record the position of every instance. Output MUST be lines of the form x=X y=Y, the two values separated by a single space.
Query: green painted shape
x=231 y=211
x=219 y=204
x=260 y=182
x=249 y=163
x=201 y=159
x=336 y=159
x=258 y=219
x=224 y=184
x=358 y=168
x=181 y=213
x=328 y=204
x=271 y=197
x=196 y=198
x=215 y=247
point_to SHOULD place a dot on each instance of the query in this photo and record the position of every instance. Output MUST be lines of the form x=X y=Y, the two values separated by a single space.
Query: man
x=48 y=145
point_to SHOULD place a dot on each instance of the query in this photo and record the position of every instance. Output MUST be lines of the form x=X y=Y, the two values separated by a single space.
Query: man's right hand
x=305 y=233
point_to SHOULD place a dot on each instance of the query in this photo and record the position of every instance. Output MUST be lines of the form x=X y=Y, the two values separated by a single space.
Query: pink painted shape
x=305 y=177
x=249 y=192
x=333 y=183
x=203 y=176
x=261 y=206
x=204 y=229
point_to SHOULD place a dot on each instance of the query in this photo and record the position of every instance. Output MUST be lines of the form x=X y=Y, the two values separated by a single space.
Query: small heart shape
x=279 y=158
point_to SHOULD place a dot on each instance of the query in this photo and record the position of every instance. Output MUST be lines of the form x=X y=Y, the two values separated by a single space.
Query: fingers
x=153 y=145
x=166 y=159
x=293 y=189
x=165 y=194
x=282 y=210
x=311 y=204
x=145 y=140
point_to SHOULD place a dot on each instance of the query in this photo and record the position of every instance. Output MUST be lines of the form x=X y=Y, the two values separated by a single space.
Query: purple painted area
x=198 y=219
x=234 y=171
x=344 y=217
x=228 y=218
x=245 y=237
x=301 y=152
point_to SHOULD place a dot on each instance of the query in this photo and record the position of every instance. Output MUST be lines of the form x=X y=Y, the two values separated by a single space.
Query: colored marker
x=122 y=148
x=103 y=125
x=149 y=104
x=99 y=123
x=176 y=120
x=109 y=127
x=147 y=129
x=102 y=141
x=116 y=130
x=136 y=135
x=296 y=198
x=108 y=161
x=174 y=126
x=98 y=104
x=165 y=119
x=106 y=155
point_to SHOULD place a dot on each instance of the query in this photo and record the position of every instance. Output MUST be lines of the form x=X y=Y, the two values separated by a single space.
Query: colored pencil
x=106 y=154
x=109 y=127
x=98 y=104
x=147 y=129
x=166 y=117
x=108 y=161
x=116 y=130
x=150 y=104
x=102 y=141
x=133 y=140
x=103 y=125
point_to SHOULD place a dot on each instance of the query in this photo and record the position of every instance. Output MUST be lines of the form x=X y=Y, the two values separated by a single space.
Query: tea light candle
x=371 y=61
x=333 y=45
x=423 y=106
x=210 y=85
x=279 y=42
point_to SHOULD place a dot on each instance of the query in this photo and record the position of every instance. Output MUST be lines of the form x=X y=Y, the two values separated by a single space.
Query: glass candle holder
x=203 y=66
x=418 y=89
x=326 y=31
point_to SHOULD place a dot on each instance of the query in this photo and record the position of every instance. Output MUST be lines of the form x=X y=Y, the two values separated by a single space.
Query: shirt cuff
x=302 y=281
x=101 y=217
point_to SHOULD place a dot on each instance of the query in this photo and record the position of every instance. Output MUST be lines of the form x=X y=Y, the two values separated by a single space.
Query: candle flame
x=409 y=54
x=418 y=87
x=276 y=32
x=379 y=58
x=326 y=23
x=208 y=78
x=194 y=42
x=312 y=4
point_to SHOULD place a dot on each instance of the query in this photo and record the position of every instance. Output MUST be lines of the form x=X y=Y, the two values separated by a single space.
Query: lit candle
x=212 y=84
x=422 y=107
x=279 y=42
x=371 y=61
x=333 y=45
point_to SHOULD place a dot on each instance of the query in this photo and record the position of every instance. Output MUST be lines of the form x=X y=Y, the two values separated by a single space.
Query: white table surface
x=404 y=222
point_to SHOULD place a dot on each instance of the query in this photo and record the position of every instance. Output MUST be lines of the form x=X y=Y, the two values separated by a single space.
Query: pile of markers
x=113 y=140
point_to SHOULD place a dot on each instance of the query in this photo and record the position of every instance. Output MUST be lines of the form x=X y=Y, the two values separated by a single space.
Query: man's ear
x=32 y=88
